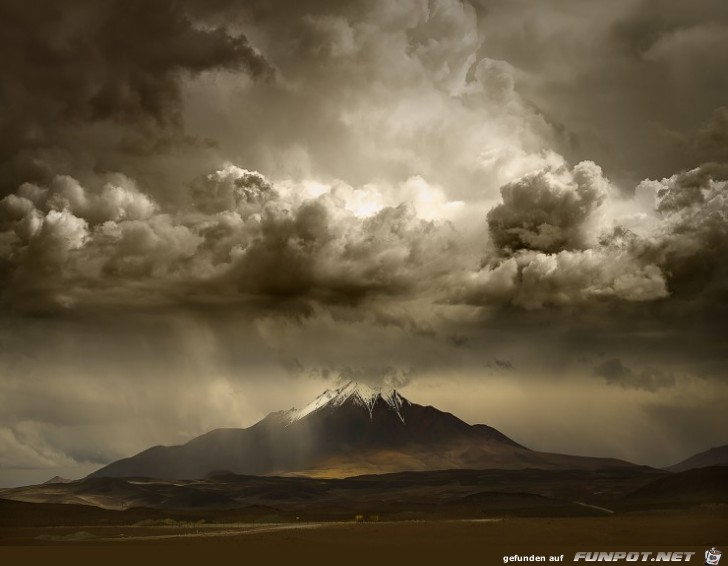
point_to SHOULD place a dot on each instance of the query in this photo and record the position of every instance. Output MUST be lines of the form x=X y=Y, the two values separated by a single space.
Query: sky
x=514 y=211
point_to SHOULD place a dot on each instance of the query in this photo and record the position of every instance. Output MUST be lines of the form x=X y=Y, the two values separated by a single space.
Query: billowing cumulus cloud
x=692 y=237
x=49 y=230
x=548 y=210
x=241 y=238
x=244 y=236
x=551 y=248
x=232 y=190
x=534 y=280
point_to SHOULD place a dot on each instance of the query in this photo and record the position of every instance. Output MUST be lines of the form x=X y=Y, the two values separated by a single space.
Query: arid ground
x=464 y=541
x=430 y=517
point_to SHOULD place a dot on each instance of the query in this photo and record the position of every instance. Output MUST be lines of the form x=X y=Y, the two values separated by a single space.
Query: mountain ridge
x=716 y=456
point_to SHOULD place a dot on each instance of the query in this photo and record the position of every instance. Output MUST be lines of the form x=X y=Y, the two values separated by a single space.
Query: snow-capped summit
x=357 y=393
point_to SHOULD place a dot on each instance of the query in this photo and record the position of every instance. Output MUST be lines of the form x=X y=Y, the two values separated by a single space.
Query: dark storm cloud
x=614 y=372
x=622 y=78
x=707 y=142
x=112 y=67
x=712 y=138
x=318 y=251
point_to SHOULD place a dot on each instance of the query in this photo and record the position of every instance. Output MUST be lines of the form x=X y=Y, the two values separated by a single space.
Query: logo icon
x=712 y=557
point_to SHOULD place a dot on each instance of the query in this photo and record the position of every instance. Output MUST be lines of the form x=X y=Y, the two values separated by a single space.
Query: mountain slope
x=699 y=485
x=58 y=479
x=344 y=432
x=713 y=457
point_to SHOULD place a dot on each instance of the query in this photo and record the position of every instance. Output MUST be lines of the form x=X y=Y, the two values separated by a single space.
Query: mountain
x=344 y=432
x=713 y=457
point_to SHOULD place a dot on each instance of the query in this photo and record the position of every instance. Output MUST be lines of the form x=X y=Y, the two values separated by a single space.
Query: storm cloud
x=104 y=75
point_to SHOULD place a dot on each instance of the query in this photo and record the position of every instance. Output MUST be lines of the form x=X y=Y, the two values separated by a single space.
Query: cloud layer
x=245 y=237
